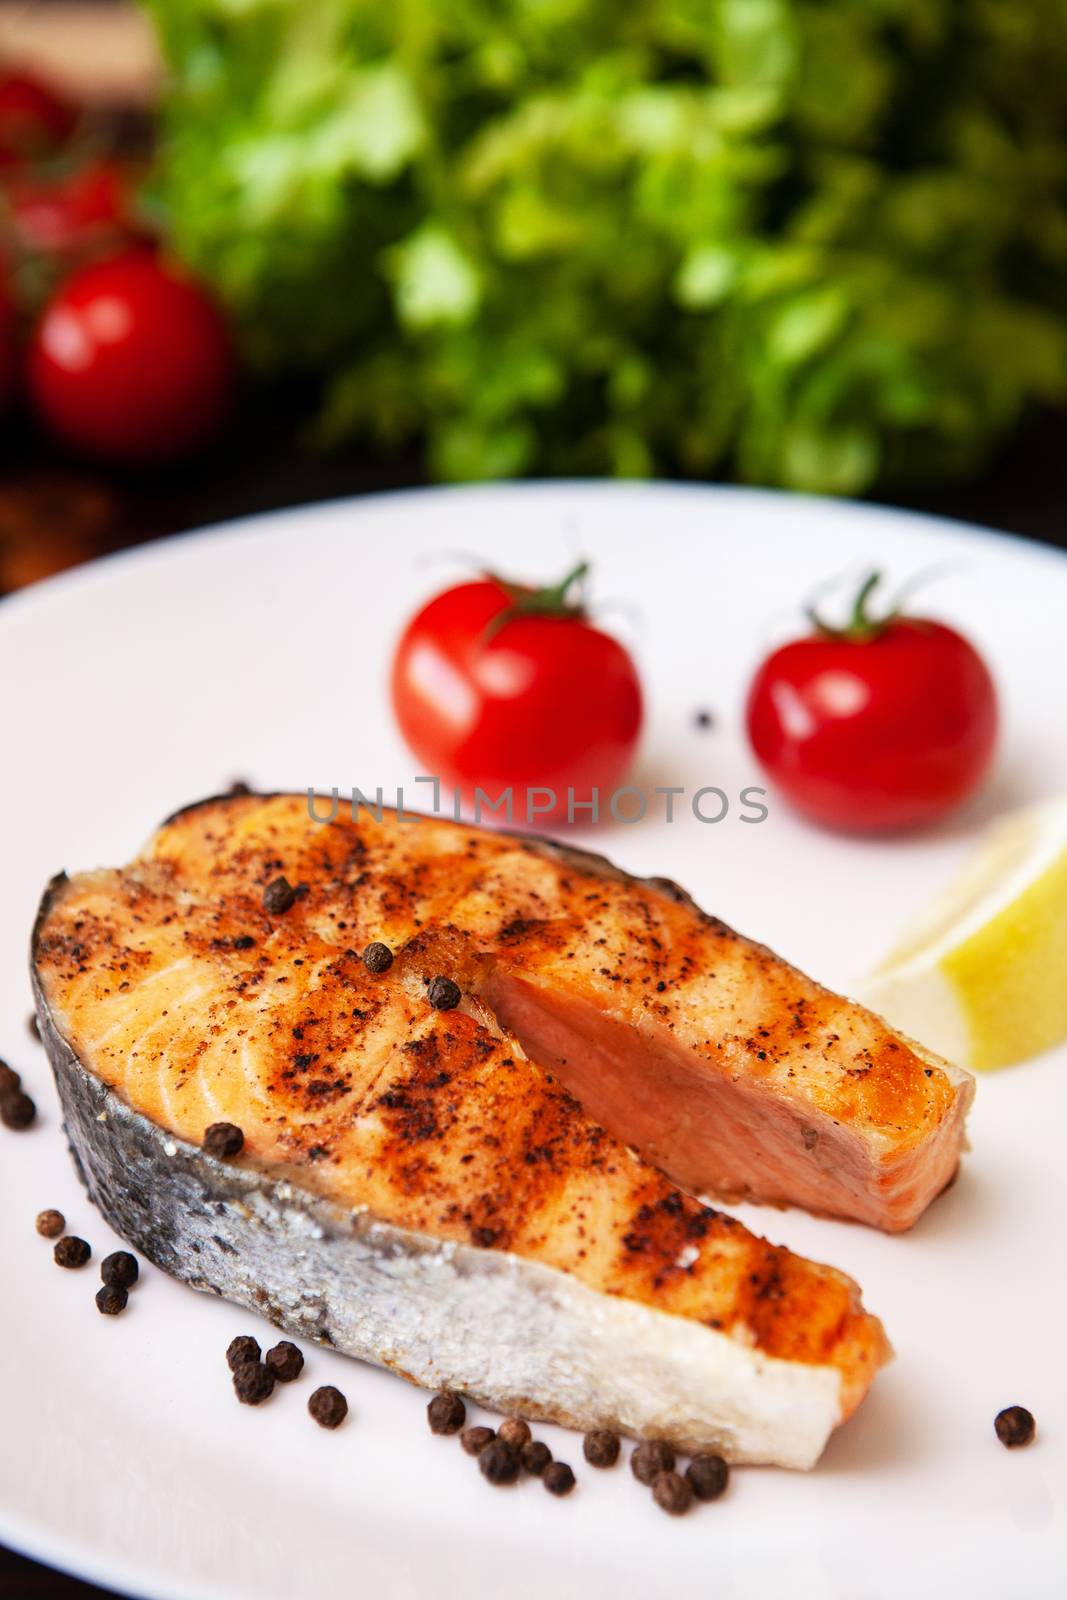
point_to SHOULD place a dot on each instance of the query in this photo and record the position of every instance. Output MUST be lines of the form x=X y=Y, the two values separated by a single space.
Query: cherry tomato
x=67 y=214
x=879 y=726
x=34 y=119
x=132 y=361
x=497 y=686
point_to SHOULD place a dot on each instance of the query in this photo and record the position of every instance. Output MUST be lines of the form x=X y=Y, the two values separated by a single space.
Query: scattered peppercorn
x=243 y=1348
x=71 y=1251
x=377 y=957
x=285 y=1361
x=703 y=719
x=474 y=1440
x=244 y=941
x=601 y=1448
x=514 y=1432
x=328 y=1406
x=252 y=1383
x=672 y=1493
x=223 y=1140
x=17 y=1110
x=708 y=1476
x=239 y=786
x=446 y=1413
x=1015 y=1427
x=278 y=897
x=119 y=1270
x=498 y=1462
x=50 y=1224
x=443 y=994
x=535 y=1457
x=10 y=1081
x=558 y=1478
x=650 y=1458
x=34 y=1026
x=111 y=1299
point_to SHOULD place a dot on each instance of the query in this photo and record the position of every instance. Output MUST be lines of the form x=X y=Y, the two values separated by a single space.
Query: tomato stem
x=861 y=626
x=549 y=601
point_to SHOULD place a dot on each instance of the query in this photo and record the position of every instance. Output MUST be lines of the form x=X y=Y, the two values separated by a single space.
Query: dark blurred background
x=829 y=255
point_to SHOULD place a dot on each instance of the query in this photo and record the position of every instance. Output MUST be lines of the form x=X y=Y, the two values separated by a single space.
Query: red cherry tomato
x=496 y=686
x=875 y=727
x=67 y=214
x=132 y=361
x=34 y=119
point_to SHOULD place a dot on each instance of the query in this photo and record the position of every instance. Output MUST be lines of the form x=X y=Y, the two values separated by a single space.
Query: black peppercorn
x=328 y=1406
x=285 y=1361
x=474 y=1440
x=514 y=1432
x=558 y=1478
x=17 y=1110
x=252 y=1383
x=651 y=1458
x=278 y=897
x=244 y=941
x=111 y=1299
x=71 y=1251
x=377 y=957
x=1014 y=1426
x=10 y=1081
x=243 y=1348
x=50 y=1224
x=601 y=1448
x=446 y=1413
x=708 y=1476
x=119 y=1270
x=498 y=1462
x=443 y=994
x=33 y=1026
x=223 y=1140
x=672 y=1493
x=535 y=1457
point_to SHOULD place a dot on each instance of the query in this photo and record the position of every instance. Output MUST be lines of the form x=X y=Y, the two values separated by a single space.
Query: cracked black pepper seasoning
x=111 y=1299
x=71 y=1251
x=120 y=1270
x=328 y=1406
x=243 y=1348
x=708 y=1476
x=244 y=941
x=672 y=1493
x=601 y=1448
x=514 y=1432
x=278 y=897
x=377 y=957
x=50 y=1224
x=535 y=1457
x=558 y=1478
x=223 y=1140
x=498 y=1463
x=651 y=1457
x=252 y=1383
x=285 y=1361
x=1015 y=1427
x=10 y=1081
x=474 y=1440
x=443 y=994
x=17 y=1110
x=446 y=1413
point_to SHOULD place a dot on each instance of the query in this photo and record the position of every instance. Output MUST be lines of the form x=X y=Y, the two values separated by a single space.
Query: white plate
x=261 y=650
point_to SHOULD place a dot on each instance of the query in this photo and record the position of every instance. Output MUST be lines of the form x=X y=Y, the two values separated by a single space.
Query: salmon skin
x=412 y=1188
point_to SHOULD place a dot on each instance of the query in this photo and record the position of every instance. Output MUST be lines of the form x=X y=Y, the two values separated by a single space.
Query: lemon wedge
x=982 y=977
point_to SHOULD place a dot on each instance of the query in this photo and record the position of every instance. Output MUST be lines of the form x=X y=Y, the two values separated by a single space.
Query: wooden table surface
x=53 y=514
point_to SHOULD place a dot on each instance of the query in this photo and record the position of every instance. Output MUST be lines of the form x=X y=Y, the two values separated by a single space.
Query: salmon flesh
x=451 y=1193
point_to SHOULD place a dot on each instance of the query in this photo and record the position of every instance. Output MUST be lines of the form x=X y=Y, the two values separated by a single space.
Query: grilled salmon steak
x=412 y=1188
